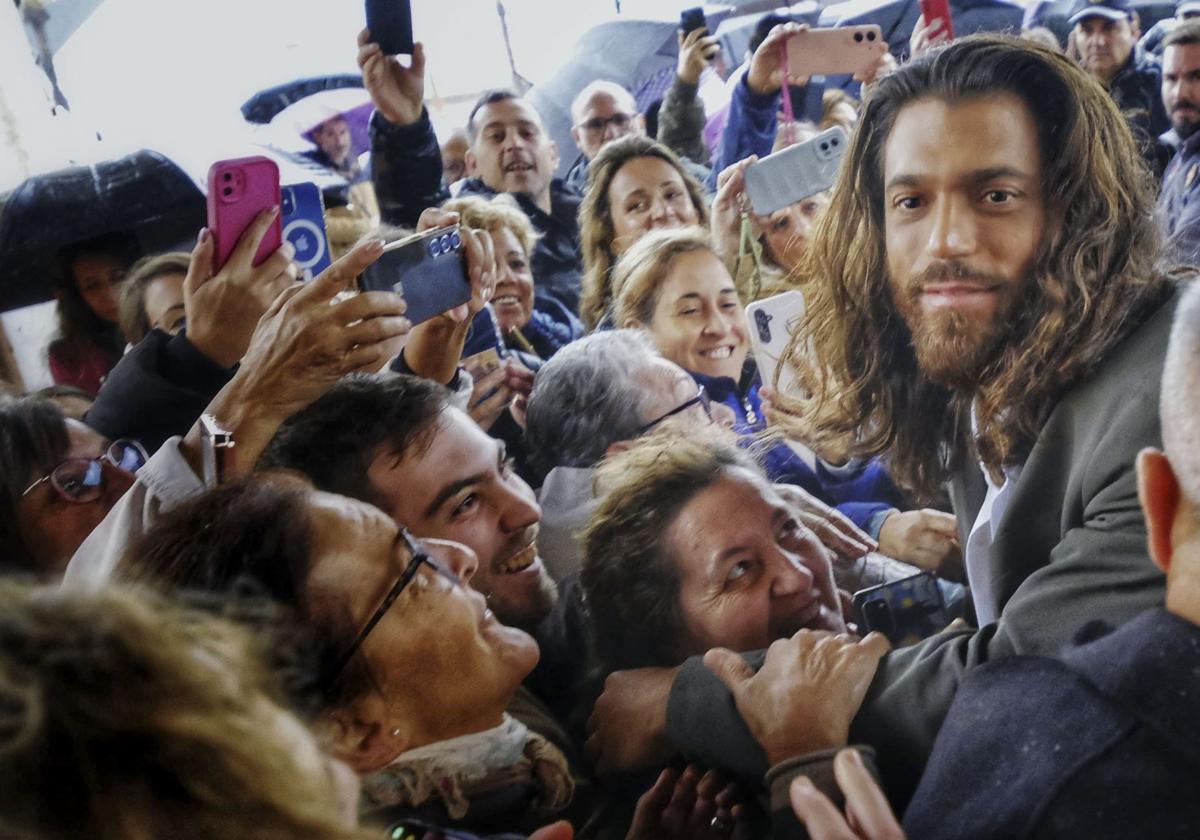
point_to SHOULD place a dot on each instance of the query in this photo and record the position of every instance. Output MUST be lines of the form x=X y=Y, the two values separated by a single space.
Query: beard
x=953 y=348
x=1184 y=128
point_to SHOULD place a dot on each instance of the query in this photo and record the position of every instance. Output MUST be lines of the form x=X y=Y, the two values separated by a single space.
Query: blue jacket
x=1137 y=90
x=752 y=123
x=1178 y=211
x=1103 y=742
x=863 y=492
x=550 y=327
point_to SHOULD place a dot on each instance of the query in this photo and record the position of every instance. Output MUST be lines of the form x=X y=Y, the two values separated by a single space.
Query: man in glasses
x=60 y=479
x=602 y=112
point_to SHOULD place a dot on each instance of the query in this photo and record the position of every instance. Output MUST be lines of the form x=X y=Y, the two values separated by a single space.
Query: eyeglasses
x=598 y=124
x=701 y=399
x=81 y=480
x=419 y=556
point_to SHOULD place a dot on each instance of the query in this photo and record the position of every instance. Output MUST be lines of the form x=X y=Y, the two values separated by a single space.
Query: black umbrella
x=143 y=194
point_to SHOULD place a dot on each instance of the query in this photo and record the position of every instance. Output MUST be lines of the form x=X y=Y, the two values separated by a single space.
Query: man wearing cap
x=1152 y=41
x=1104 y=33
x=1178 y=209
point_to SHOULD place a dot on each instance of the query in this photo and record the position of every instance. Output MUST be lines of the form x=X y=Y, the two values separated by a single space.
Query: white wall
x=29 y=331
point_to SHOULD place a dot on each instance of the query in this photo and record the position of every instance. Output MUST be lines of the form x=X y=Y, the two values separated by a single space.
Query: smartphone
x=238 y=190
x=772 y=323
x=938 y=10
x=390 y=24
x=797 y=172
x=843 y=49
x=905 y=610
x=303 y=212
x=692 y=19
x=428 y=269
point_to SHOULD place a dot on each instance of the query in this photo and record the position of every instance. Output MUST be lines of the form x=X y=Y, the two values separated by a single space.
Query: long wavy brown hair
x=595 y=217
x=1094 y=277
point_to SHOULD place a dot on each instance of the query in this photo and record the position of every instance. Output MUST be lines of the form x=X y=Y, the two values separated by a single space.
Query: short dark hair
x=1184 y=35
x=335 y=439
x=33 y=438
x=491 y=97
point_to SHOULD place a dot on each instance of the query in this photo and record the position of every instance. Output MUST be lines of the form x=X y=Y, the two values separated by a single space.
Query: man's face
x=603 y=119
x=1105 y=45
x=749 y=572
x=511 y=152
x=333 y=136
x=1181 y=87
x=963 y=219
x=666 y=387
x=454 y=158
x=461 y=487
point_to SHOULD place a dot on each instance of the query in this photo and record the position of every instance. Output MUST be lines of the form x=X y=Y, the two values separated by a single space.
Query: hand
x=923 y=39
x=925 y=538
x=806 y=693
x=883 y=67
x=560 y=830
x=301 y=347
x=765 y=74
x=490 y=395
x=725 y=221
x=693 y=804
x=832 y=527
x=696 y=49
x=868 y=815
x=222 y=309
x=628 y=727
x=398 y=92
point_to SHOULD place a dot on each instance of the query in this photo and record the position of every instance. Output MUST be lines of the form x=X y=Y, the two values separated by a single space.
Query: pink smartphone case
x=238 y=190
x=844 y=49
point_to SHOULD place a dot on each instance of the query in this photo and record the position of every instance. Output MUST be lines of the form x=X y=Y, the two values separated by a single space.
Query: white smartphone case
x=795 y=173
x=772 y=321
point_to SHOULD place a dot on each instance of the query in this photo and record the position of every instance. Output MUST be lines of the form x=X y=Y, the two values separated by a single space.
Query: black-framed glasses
x=81 y=480
x=598 y=124
x=701 y=399
x=419 y=556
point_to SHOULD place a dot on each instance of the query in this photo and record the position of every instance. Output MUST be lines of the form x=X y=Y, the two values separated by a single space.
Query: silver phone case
x=797 y=172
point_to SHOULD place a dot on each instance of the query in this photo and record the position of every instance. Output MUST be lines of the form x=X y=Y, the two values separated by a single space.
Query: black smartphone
x=390 y=24
x=691 y=20
x=905 y=610
x=427 y=269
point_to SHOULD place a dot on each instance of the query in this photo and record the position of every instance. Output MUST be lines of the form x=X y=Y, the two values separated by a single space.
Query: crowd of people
x=276 y=561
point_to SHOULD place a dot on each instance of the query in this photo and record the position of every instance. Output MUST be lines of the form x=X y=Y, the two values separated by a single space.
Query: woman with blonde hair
x=125 y=716
x=635 y=185
x=673 y=285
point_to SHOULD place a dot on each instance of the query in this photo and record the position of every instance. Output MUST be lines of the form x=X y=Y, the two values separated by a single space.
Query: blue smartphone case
x=905 y=611
x=303 y=214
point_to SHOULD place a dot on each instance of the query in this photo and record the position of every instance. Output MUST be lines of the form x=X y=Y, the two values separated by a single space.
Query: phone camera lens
x=455 y=240
x=445 y=243
x=824 y=147
x=434 y=248
x=858 y=36
x=870 y=36
x=228 y=176
x=227 y=191
x=833 y=141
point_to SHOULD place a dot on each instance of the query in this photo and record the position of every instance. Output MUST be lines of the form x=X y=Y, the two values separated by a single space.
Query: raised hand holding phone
x=238 y=191
x=398 y=92
x=844 y=49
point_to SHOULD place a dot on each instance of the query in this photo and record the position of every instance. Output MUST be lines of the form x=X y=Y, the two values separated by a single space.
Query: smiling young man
x=987 y=312
x=1179 y=202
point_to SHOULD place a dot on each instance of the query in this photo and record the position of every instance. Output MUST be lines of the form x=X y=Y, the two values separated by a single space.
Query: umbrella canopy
x=145 y=194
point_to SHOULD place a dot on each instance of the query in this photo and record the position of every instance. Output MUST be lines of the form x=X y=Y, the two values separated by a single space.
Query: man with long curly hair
x=985 y=309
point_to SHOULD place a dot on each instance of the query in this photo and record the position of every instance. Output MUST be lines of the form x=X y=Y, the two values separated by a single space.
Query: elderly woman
x=415 y=670
x=58 y=480
x=673 y=286
x=128 y=716
x=635 y=185
x=691 y=548
x=514 y=320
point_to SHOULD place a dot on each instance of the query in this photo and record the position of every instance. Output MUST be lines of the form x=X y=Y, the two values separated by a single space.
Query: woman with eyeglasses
x=415 y=671
x=59 y=480
x=673 y=285
x=635 y=185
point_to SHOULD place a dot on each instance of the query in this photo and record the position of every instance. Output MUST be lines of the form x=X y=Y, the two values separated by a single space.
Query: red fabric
x=87 y=372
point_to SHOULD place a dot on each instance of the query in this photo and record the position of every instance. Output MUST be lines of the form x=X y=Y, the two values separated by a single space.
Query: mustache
x=956 y=271
x=522 y=540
